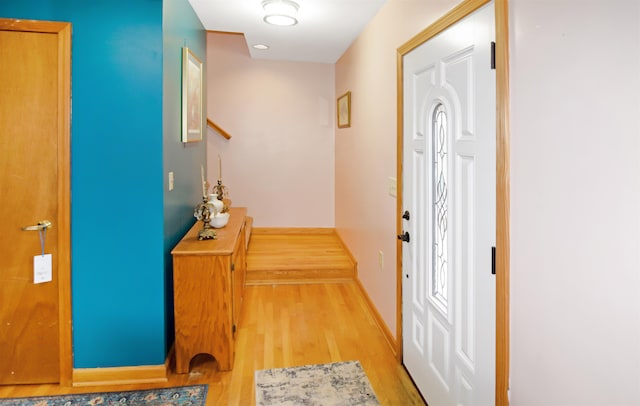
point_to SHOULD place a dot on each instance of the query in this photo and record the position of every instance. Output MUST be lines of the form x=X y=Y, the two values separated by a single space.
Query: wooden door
x=449 y=190
x=34 y=184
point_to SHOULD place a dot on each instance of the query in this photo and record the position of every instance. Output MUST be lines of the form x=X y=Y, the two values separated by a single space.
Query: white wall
x=575 y=203
x=279 y=162
x=366 y=152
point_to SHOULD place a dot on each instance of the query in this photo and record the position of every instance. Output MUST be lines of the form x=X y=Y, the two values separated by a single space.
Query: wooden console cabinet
x=208 y=283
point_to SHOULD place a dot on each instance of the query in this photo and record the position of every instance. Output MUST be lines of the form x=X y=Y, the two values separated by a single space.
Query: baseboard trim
x=295 y=281
x=120 y=375
x=391 y=341
x=292 y=230
x=346 y=249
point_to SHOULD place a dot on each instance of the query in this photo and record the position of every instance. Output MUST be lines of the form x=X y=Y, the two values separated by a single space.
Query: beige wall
x=575 y=197
x=366 y=152
x=575 y=202
x=280 y=160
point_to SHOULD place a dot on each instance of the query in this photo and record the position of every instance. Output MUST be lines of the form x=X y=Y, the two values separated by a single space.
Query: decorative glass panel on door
x=439 y=215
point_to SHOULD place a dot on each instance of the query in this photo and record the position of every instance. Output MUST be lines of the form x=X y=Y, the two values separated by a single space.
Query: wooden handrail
x=216 y=127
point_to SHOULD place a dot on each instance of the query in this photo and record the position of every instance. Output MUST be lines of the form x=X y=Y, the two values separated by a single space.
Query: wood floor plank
x=289 y=319
x=284 y=326
x=317 y=255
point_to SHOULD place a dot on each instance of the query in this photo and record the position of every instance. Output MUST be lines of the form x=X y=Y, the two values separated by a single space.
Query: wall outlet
x=392 y=186
x=170 y=181
x=381 y=259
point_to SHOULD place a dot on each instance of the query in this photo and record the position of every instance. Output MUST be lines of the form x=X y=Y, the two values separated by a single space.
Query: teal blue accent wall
x=121 y=266
x=181 y=28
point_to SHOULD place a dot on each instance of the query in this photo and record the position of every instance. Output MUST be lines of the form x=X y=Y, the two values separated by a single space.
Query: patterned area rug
x=179 y=396
x=336 y=384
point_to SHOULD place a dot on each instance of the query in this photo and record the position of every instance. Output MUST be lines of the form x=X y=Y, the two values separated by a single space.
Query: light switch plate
x=392 y=186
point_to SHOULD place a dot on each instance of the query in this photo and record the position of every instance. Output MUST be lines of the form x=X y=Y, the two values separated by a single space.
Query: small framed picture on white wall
x=344 y=110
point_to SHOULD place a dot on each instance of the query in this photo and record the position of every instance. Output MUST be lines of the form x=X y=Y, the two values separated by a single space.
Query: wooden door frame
x=502 y=177
x=63 y=222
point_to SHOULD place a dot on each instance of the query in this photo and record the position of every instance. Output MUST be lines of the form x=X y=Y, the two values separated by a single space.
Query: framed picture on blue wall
x=191 y=96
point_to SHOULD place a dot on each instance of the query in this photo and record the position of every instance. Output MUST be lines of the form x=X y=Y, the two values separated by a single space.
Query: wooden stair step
x=278 y=256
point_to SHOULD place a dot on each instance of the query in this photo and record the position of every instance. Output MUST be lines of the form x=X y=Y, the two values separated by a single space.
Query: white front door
x=449 y=169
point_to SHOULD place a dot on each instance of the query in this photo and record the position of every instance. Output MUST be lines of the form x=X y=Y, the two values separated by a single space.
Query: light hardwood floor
x=283 y=325
x=297 y=256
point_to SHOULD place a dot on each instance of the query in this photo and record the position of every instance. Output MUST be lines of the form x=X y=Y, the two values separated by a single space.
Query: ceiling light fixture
x=280 y=12
x=261 y=46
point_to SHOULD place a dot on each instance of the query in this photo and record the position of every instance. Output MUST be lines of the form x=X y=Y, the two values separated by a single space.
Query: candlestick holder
x=203 y=213
x=221 y=191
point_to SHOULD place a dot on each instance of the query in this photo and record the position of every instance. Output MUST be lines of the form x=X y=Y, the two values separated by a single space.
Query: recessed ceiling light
x=261 y=46
x=280 y=12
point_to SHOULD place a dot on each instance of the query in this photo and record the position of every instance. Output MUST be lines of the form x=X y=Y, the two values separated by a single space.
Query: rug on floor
x=195 y=395
x=335 y=384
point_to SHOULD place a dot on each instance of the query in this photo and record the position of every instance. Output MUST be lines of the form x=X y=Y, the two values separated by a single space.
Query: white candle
x=204 y=188
x=219 y=168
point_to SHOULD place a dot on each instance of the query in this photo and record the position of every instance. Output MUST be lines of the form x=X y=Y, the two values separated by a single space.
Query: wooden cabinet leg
x=182 y=363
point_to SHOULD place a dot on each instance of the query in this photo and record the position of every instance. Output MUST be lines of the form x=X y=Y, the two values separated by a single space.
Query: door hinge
x=404 y=237
x=493 y=55
x=493 y=260
x=233 y=267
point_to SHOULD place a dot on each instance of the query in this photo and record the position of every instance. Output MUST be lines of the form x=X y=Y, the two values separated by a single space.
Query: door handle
x=42 y=225
x=406 y=215
x=404 y=237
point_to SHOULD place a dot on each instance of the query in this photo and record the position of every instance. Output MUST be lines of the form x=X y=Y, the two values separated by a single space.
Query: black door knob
x=404 y=237
x=406 y=215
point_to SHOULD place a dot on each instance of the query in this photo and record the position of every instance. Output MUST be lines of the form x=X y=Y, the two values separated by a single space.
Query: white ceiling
x=324 y=31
